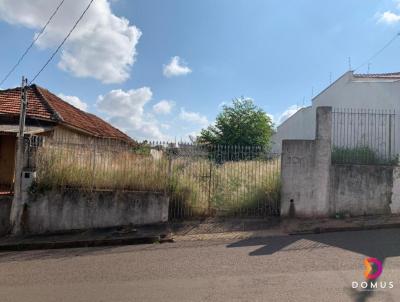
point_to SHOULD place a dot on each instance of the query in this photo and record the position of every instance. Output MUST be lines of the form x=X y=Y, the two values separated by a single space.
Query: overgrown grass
x=196 y=186
x=60 y=167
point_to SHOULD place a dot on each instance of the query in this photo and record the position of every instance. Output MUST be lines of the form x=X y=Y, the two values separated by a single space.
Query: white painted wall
x=346 y=92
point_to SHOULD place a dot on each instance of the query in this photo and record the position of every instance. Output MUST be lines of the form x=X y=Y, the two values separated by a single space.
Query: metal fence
x=364 y=136
x=200 y=180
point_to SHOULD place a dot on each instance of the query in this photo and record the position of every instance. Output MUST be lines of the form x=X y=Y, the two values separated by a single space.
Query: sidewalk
x=302 y=226
x=89 y=238
x=209 y=229
x=215 y=230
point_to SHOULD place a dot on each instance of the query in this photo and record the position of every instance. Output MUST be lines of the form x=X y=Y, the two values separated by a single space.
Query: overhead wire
x=32 y=43
x=63 y=41
x=379 y=51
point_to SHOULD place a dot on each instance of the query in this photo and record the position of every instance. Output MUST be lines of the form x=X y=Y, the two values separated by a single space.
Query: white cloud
x=388 y=17
x=126 y=111
x=193 y=117
x=163 y=107
x=165 y=126
x=176 y=67
x=125 y=103
x=74 y=101
x=103 y=46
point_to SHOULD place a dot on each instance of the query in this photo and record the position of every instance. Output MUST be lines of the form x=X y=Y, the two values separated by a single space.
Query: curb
x=29 y=246
x=320 y=230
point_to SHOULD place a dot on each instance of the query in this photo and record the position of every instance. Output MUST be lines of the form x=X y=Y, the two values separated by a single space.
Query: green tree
x=242 y=123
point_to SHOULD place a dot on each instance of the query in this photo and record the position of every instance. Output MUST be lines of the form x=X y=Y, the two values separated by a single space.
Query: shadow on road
x=380 y=244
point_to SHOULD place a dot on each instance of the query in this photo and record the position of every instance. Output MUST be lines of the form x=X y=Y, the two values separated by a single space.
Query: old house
x=47 y=116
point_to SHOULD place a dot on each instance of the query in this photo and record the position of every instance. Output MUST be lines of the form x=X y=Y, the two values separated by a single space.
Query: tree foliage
x=242 y=123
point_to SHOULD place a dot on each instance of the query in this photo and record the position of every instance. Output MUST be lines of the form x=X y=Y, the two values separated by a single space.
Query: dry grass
x=60 y=167
x=194 y=184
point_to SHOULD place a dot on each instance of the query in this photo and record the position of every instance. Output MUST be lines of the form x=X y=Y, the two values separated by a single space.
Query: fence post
x=209 y=189
x=390 y=137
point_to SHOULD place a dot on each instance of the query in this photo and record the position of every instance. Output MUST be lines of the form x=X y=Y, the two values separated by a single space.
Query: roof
x=44 y=105
x=392 y=75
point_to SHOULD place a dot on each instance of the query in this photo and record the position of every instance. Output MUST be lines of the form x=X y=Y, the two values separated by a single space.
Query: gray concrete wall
x=305 y=171
x=395 y=200
x=5 y=209
x=361 y=189
x=57 y=211
x=312 y=187
x=297 y=168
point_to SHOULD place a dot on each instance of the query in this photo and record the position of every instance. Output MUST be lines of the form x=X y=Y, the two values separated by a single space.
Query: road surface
x=287 y=268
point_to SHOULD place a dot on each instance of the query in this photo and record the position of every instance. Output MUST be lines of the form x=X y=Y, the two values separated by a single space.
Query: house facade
x=356 y=91
x=47 y=116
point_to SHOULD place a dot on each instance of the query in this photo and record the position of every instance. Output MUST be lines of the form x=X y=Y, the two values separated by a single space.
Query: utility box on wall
x=28 y=177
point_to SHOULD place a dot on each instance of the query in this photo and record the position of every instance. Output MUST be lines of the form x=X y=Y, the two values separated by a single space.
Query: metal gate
x=223 y=181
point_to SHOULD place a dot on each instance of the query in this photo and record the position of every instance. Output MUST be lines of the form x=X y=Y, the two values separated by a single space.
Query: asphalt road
x=288 y=268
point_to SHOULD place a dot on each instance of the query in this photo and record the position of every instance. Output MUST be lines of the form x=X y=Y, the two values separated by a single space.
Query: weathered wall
x=395 y=198
x=297 y=167
x=63 y=211
x=305 y=171
x=5 y=209
x=361 y=189
x=312 y=187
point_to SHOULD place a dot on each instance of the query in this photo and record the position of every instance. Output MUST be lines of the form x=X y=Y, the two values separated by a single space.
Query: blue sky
x=275 y=52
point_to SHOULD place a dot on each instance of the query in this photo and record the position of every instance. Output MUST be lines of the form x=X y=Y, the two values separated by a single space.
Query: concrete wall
x=346 y=92
x=69 y=210
x=5 y=209
x=297 y=168
x=313 y=187
x=305 y=171
x=361 y=189
x=395 y=198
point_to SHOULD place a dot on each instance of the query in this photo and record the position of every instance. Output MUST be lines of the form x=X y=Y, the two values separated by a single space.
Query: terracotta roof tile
x=44 y=105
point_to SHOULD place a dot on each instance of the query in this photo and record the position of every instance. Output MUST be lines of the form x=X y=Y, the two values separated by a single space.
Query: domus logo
x=370 y=272
x=373 y=269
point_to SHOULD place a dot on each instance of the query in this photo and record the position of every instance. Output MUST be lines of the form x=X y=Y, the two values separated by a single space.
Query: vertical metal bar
x=390 y=136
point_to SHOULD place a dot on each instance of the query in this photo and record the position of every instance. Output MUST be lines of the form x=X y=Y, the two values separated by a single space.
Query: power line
x=379 y=51
x=63 y=41
x=33 y=42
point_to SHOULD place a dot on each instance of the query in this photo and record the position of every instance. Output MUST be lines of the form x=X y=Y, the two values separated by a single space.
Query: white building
x=356 y=91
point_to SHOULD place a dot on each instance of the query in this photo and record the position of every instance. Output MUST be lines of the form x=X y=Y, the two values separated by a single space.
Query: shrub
x=360 y=155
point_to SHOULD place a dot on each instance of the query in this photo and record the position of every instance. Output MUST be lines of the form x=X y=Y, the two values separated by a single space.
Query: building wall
x=346 y=92
x=7 y=159
x=301 y=125
x=64 y=134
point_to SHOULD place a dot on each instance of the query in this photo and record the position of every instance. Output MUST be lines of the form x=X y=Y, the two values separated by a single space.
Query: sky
x=162 y=69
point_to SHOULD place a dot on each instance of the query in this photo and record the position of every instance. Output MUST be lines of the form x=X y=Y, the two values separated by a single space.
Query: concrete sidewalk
x=240 y=229
x=324 y=225
x=89 y=238
x=209 y=229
